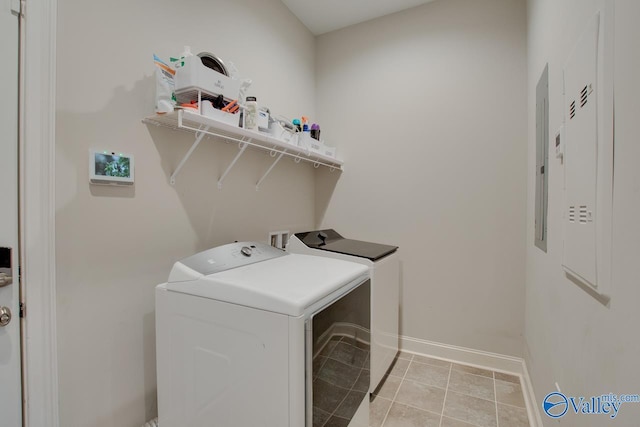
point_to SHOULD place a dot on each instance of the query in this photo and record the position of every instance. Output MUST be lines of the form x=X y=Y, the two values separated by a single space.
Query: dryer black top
x=329 y=240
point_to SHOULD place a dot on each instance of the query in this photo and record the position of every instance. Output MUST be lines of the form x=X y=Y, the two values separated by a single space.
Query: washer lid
x=329 y=240
x=285 y=284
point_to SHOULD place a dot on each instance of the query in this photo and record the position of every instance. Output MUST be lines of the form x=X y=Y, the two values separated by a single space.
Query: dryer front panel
x=220 y=364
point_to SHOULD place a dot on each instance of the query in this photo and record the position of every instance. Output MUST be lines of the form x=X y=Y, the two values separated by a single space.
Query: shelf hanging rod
x=269 y=170
x=199 y=135
x=232 y=164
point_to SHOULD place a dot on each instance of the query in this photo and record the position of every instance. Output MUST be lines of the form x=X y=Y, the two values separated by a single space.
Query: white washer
x=250 y=336
x=382 y=260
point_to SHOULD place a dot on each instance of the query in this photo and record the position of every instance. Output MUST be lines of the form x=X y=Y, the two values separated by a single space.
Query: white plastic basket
x=194 y=76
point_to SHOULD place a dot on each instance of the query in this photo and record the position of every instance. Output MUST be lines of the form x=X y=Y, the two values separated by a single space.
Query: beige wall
x=588 y=348
x=428 y=108
x=115 y=244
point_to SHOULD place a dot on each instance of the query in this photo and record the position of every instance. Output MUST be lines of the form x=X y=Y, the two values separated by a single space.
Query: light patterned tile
x=404 y=355
x=470 y=409
x=451 y=422
x=421 y=396
x=507 y=377
x=512 y=417
x=472 y=385
x=399 y=367
x=509 y=393
x=418 y=385
x=472 y=370
x=388 y=387
x=378 y=409
x=427 y=374
x=431 y=361
x=405 y=416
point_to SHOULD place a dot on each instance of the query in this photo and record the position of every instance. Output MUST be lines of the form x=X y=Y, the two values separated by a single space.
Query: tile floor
x=424 y=392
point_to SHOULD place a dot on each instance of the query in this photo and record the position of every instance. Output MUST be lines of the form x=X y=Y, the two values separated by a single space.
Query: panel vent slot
x=572 y=214
x=583 y=96
x=572 y=110
x=583 y=214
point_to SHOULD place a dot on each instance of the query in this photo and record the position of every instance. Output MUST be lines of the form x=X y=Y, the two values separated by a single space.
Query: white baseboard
x=480 y=359
x=535 y=417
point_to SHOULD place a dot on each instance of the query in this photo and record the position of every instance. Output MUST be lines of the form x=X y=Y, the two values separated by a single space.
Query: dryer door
x=338 y=348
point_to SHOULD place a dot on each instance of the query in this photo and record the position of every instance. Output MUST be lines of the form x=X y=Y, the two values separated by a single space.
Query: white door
x=10 y=372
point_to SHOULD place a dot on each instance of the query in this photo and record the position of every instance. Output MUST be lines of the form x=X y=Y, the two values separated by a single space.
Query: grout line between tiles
x=476 y=397
x=475 y=375
x=513 y=406
x=462 y=421
x=408 y=405
x=495 y=395
x=451 y=369
x=384 y=420
x=428 y=385
x=420 y=381
x=475 y=425
x=446 y=390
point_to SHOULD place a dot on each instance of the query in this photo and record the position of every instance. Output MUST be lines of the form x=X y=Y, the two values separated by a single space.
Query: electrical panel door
x=588 y=109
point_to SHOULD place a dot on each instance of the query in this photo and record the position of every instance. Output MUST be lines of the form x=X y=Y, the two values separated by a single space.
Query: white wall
x=428 y=108
x=588 y=348
x=115 y=244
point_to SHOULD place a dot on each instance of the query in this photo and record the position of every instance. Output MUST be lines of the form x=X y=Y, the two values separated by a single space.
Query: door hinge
x=23 y=310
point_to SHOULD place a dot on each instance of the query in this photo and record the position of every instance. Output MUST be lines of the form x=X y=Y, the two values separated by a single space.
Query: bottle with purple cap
x=315 y=131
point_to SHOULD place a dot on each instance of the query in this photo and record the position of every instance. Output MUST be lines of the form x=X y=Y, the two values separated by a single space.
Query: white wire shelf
x=201 y=126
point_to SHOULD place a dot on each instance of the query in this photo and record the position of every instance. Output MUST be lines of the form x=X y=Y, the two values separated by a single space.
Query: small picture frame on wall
x=111 y=168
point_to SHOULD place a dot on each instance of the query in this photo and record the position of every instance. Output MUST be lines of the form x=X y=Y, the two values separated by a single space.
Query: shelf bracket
x=243 y=146
x=282 y=153
x=199 y=136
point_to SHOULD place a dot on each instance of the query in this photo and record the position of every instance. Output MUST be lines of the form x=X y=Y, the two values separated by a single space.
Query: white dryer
x=382 y=260
x=250 y=336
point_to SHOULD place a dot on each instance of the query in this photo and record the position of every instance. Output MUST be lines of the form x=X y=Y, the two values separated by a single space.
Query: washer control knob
x=246 y=251
x=5 y=316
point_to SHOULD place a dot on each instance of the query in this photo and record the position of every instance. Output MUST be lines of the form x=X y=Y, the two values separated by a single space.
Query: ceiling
x=322 y=16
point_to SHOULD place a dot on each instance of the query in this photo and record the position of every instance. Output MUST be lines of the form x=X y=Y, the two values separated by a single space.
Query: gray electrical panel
x=542 y=159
